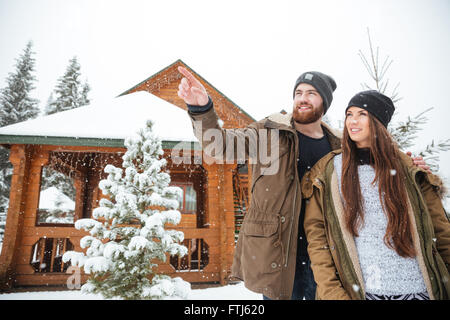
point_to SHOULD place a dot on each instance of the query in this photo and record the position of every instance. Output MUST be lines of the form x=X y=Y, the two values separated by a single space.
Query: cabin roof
x=106 y=124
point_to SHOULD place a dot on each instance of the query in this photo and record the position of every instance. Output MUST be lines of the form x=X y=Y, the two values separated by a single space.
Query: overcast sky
x=252 y=51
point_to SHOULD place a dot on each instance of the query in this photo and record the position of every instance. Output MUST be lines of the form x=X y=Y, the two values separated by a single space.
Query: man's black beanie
x=323 y=83
x=374 y=102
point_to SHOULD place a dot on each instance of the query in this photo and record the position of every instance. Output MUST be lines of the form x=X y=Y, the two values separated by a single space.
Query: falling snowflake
x=355 y=287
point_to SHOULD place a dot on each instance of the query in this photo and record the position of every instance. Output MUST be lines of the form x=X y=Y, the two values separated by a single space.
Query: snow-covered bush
x=127 y=235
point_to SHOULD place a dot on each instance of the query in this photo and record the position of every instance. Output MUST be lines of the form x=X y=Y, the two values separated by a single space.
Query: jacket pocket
x=261 y=249
x=260 y=229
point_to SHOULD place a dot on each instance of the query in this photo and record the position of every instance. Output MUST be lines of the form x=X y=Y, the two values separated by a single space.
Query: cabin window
x=69 y=186
x=188 y=204
x=57 y=197
x=196 y=259
x=46 y=255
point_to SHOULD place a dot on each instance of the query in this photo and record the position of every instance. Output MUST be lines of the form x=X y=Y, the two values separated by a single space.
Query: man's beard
x=307 y=117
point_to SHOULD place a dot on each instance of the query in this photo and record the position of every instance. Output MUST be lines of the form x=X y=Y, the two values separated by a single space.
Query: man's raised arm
x=238 y=144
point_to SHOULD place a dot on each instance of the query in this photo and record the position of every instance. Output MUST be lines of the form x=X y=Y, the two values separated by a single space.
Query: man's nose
x=304 y=98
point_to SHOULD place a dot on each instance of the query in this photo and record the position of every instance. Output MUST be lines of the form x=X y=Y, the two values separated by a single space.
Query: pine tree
x=128 y=237
x=50 y=101
x=69 y=92
x=16 y=105
x=403 y=132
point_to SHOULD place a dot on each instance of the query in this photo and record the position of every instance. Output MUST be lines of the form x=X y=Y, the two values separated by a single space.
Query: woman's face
x=357 y=126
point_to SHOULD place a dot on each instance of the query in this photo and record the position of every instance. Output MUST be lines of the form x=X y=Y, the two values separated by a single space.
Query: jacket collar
x=285 y=122
x=316 y=176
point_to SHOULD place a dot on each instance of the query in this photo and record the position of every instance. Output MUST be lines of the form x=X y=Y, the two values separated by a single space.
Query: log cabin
x=58 y=162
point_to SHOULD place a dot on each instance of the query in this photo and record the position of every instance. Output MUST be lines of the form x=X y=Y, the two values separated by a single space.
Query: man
x=270 y=255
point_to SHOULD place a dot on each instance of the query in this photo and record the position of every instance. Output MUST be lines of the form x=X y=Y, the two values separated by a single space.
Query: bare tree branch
x=406 y=132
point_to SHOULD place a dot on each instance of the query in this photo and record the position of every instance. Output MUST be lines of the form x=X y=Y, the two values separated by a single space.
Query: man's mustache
x=304 y=105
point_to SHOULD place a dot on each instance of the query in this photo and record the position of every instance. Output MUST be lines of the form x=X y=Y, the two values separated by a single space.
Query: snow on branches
x=127 y=237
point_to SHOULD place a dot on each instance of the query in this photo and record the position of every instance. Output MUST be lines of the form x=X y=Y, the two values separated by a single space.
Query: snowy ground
x=229 y=292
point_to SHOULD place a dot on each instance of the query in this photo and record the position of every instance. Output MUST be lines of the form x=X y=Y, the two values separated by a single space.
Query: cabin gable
x=164 y=84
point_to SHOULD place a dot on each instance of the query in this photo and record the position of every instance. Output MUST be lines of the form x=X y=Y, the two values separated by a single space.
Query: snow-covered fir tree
x=16 y=105
x=127 y=235
x=69 y=92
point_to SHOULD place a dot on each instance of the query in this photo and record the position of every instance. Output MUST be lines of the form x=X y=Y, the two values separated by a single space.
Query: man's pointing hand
x=191 y=90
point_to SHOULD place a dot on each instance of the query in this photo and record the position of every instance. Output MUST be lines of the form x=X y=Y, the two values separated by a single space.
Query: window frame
x=53 y=224
x=183 y=186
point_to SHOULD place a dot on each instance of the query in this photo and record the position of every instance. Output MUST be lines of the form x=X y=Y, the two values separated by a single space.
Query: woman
x=375 y=223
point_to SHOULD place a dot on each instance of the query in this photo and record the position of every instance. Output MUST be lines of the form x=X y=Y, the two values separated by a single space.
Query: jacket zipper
x=293 y=210
x=292 y=224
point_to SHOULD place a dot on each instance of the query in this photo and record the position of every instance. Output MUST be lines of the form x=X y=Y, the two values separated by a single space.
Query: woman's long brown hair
x=391 y=179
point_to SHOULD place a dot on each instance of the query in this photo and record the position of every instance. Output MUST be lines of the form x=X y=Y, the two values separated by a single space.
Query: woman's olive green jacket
x=332 y=250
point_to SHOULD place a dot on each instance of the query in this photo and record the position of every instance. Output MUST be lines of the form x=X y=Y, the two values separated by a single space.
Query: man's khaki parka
x=265 y=253
x=332 y=249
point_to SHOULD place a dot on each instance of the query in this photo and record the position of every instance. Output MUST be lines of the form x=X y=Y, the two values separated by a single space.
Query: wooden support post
x=189 y=254
x=222 y=223
x=228 y=221
x=14 y=219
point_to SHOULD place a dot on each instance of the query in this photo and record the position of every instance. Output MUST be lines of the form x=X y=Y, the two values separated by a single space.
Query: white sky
x=252 y=51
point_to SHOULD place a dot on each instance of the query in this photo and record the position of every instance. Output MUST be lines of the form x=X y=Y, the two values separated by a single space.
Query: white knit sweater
x=383 y=270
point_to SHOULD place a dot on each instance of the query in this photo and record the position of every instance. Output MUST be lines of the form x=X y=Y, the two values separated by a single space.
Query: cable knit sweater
x=383 y=270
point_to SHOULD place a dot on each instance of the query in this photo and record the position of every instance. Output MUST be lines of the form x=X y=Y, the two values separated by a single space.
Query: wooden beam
x=19 y=157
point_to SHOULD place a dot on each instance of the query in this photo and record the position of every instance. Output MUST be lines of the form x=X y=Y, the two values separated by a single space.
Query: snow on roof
x=117 y=118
